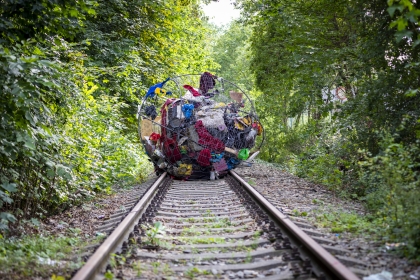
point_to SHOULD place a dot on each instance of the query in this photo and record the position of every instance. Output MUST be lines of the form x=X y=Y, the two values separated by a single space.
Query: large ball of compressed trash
x=197 y=126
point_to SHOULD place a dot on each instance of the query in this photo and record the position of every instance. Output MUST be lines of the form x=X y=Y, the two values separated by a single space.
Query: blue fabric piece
x=187 y=110
x=152 y=89
x=216 y=157
x=232 y=162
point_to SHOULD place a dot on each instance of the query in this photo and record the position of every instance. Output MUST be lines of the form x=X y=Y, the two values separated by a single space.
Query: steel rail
x=101 y=255
x=336 y=267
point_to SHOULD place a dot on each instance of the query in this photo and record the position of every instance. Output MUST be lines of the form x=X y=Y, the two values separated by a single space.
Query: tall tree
x=72 y=73
x=301 y=50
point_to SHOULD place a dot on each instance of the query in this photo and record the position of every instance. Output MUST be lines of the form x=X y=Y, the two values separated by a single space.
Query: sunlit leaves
x=406 y=19
x=370 y=49
x=21 y=20
x=71 y=76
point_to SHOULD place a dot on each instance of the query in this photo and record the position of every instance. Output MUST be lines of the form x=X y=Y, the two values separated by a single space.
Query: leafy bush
x=393 y=185
x=19 y=256
x=59 y=143
x=29 y=160
x=70 y=93
x=341 y=221
x=302 y=56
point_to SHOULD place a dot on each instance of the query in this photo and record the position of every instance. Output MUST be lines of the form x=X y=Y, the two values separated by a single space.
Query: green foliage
x=231 y=52
x=116 y=260
x=407 y=18
x=341 y=221
x=72 y=74
x=194 y=272
x=154 y=234
x=34 y=93
x=109 y=275
x=55 y=136
x=22 y=20
x=202 y=240
x=46 y=253
x=301 y=53
x=392 y=179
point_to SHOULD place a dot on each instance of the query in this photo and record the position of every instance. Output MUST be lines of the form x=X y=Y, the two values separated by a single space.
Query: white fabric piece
x=212 y=118
x=188 y=96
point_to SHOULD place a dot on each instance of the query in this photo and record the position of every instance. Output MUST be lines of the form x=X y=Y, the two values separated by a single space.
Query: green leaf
x=35 y=222
x=29 y=117
x=4 y=198
x=37 y=51
x=391 y=10
x=10 y=187
x=411 y=92
x=29 y=143
x=399 y=35
x=50 y=173
x=402 y=24
x=91 y=12
x=109 y=275
x=7 y=216
x=74 y=12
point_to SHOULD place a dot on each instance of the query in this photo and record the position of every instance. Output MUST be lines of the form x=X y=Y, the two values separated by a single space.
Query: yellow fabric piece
x=239 y=125
x=260 y=129
x=185 y=169
x=160 y=91
x=219 y=105
x=247 y=120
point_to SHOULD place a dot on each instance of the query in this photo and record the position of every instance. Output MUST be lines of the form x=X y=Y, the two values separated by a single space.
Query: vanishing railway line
x=221 y=229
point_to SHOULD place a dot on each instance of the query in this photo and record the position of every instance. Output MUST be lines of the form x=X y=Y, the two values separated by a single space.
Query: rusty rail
x=101 y=255
x=99 y=259
x=335 y=266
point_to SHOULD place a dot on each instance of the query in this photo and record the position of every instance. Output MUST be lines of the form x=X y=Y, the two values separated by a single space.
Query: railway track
x=220 y=229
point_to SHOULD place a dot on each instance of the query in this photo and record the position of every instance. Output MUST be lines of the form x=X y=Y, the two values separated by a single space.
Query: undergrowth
x=40 y=255
x=340 y=221
x=386 y=182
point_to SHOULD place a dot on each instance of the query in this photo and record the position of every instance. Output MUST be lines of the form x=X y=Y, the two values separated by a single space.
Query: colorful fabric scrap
x=156 y=89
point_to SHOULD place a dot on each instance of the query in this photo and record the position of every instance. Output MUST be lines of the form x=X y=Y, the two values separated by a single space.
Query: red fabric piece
x=163 y=113
x=154 y=137
x=170 y=146
x=171 y=150
x=207 y=140
x=204 y=157
x=192 y=90
x=206 y=82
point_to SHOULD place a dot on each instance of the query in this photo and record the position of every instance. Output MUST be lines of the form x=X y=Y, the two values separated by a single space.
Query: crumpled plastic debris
x=48 y=261
x=384 y=275
x=243 y=154
x=393 y=246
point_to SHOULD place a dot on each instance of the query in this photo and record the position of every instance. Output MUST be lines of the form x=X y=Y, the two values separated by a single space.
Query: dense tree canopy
x=364 y=141
x=71 y=75
x=335 y=82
